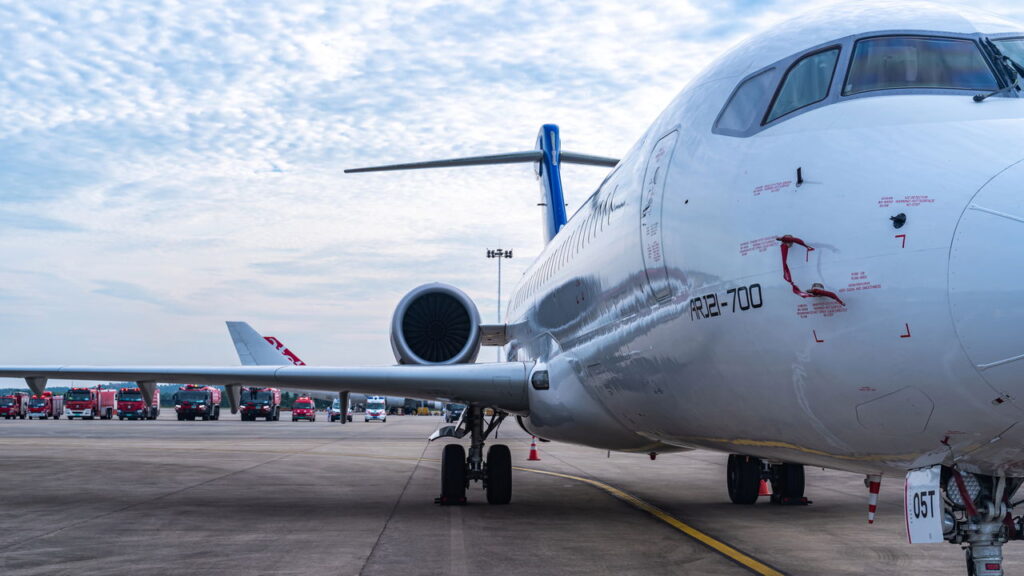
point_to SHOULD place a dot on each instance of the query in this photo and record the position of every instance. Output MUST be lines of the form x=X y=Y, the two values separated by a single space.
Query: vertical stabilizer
x=551 y=197
x=253 y=349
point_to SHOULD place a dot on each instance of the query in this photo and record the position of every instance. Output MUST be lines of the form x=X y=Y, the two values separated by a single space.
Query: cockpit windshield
x=374 y=405
x=6 y=402
x=129 y=397
x=263 y=396
x=37 y=402
x=911 y=62
x=79 y=396
x=1012 y=49
x=193 y=396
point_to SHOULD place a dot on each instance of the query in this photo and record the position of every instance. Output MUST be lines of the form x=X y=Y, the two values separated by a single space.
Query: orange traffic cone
x=533 y=449
x=764 y=490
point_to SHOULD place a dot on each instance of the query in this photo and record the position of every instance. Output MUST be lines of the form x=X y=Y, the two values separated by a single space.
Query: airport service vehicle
x=14 y=405
x=335 y=414
x=452 y=412
x=193 y=401
x=89 y=403
x=376 y=409
x=304 y=409
x=260 y=403
x=45 y=405
x=844 y=186
x=132 y=405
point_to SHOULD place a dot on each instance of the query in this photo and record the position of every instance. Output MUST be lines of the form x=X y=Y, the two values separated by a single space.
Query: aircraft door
x=653 y=192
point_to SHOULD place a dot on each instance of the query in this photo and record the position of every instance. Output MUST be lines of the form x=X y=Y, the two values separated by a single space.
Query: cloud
x=175 y=164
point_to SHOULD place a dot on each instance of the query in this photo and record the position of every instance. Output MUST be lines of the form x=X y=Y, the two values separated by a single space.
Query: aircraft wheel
x=743 y=475
x=453 y=475
x=787 y=483
x=499 y=474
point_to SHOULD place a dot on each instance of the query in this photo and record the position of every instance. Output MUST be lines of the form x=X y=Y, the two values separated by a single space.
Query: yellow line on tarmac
x=749 y=562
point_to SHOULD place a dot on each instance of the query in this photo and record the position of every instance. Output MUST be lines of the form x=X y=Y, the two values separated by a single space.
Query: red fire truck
x=14 y=405
x=88 y=403
x=304 y=409
x=45 y=405
x=192 y=400
x=131 y=405
x=261 y=403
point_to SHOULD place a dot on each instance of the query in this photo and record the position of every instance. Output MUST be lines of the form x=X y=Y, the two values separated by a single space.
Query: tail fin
x=255 y=350
x=548 y=156
x=284 y=351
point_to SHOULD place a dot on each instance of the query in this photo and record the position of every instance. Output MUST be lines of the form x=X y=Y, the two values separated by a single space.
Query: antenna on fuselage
x=548 y=156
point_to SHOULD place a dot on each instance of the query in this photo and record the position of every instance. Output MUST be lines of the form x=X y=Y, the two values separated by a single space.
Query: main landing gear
x=458 y=469
x=745 y=474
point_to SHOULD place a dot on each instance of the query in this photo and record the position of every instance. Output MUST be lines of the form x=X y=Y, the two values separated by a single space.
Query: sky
x=167 y=166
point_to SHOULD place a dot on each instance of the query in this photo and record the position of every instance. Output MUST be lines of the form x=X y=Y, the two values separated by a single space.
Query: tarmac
x=232 y=497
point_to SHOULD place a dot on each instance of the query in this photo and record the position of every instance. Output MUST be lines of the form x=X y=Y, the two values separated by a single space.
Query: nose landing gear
x=458 y=469
x=978 y=517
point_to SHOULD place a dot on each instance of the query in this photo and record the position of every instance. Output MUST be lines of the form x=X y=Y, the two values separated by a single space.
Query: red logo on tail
x=288 y=353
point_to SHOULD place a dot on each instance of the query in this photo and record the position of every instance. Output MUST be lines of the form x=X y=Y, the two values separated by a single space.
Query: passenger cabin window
x=747 y=105
x=806 y=83
x=897 y=62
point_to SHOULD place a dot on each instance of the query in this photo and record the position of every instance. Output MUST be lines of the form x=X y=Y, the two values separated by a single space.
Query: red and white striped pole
x=874 y=482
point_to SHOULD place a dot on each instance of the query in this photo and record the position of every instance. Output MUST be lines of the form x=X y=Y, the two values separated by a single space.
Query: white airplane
x=808 y=259
x=255 y=349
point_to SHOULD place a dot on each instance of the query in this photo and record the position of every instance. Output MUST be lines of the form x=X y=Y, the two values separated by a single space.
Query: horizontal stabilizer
x=511 y=158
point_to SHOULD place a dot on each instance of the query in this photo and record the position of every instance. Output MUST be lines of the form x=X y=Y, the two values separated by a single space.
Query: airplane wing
x=498 y=385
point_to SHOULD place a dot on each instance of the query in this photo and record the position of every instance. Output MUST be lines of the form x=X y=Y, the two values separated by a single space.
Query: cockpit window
x=747 y=104
x=806 y=83
x=1013 y=49
x=895 y=62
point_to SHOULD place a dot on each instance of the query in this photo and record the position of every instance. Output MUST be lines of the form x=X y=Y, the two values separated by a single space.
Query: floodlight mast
x=500 y=254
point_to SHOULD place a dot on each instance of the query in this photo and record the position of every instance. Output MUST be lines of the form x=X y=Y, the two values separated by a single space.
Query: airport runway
x=231 y=497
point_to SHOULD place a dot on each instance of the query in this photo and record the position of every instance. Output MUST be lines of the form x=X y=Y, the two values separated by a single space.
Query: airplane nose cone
x=986 y=288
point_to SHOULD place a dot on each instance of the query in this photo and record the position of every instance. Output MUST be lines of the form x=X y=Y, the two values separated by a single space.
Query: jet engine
x=435 y=324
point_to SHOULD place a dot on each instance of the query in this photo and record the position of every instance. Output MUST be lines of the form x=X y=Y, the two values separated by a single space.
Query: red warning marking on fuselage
x=907 y=335
x=761 y=245
x=823 y=308
x=773 y=187
x=910 y=200
x=816 y=339
x=902 y=237
x=859 y=281
x=867 y=389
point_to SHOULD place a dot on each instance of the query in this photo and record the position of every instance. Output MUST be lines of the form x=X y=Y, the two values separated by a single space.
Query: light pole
x=500 y=254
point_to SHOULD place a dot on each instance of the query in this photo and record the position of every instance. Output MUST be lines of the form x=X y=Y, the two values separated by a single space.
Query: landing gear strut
x=458 y=469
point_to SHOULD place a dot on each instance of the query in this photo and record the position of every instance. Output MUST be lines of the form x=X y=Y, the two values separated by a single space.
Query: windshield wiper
x=1011 y=70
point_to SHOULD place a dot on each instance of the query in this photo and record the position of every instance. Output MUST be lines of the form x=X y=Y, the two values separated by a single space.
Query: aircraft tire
x=788 y=482
x=453 y=475
x=743 y=476
x=499 y=474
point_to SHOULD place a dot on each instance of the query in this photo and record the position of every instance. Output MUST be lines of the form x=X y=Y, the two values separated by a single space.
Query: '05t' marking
x=739 y=299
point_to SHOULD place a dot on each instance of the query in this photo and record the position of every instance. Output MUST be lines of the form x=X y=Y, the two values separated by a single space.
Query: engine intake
x=435 y=324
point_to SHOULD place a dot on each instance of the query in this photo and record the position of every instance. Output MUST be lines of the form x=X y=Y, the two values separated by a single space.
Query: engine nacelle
x=435 y=324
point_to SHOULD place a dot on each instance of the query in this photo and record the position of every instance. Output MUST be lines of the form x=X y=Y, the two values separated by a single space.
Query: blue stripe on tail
x=550 y=175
